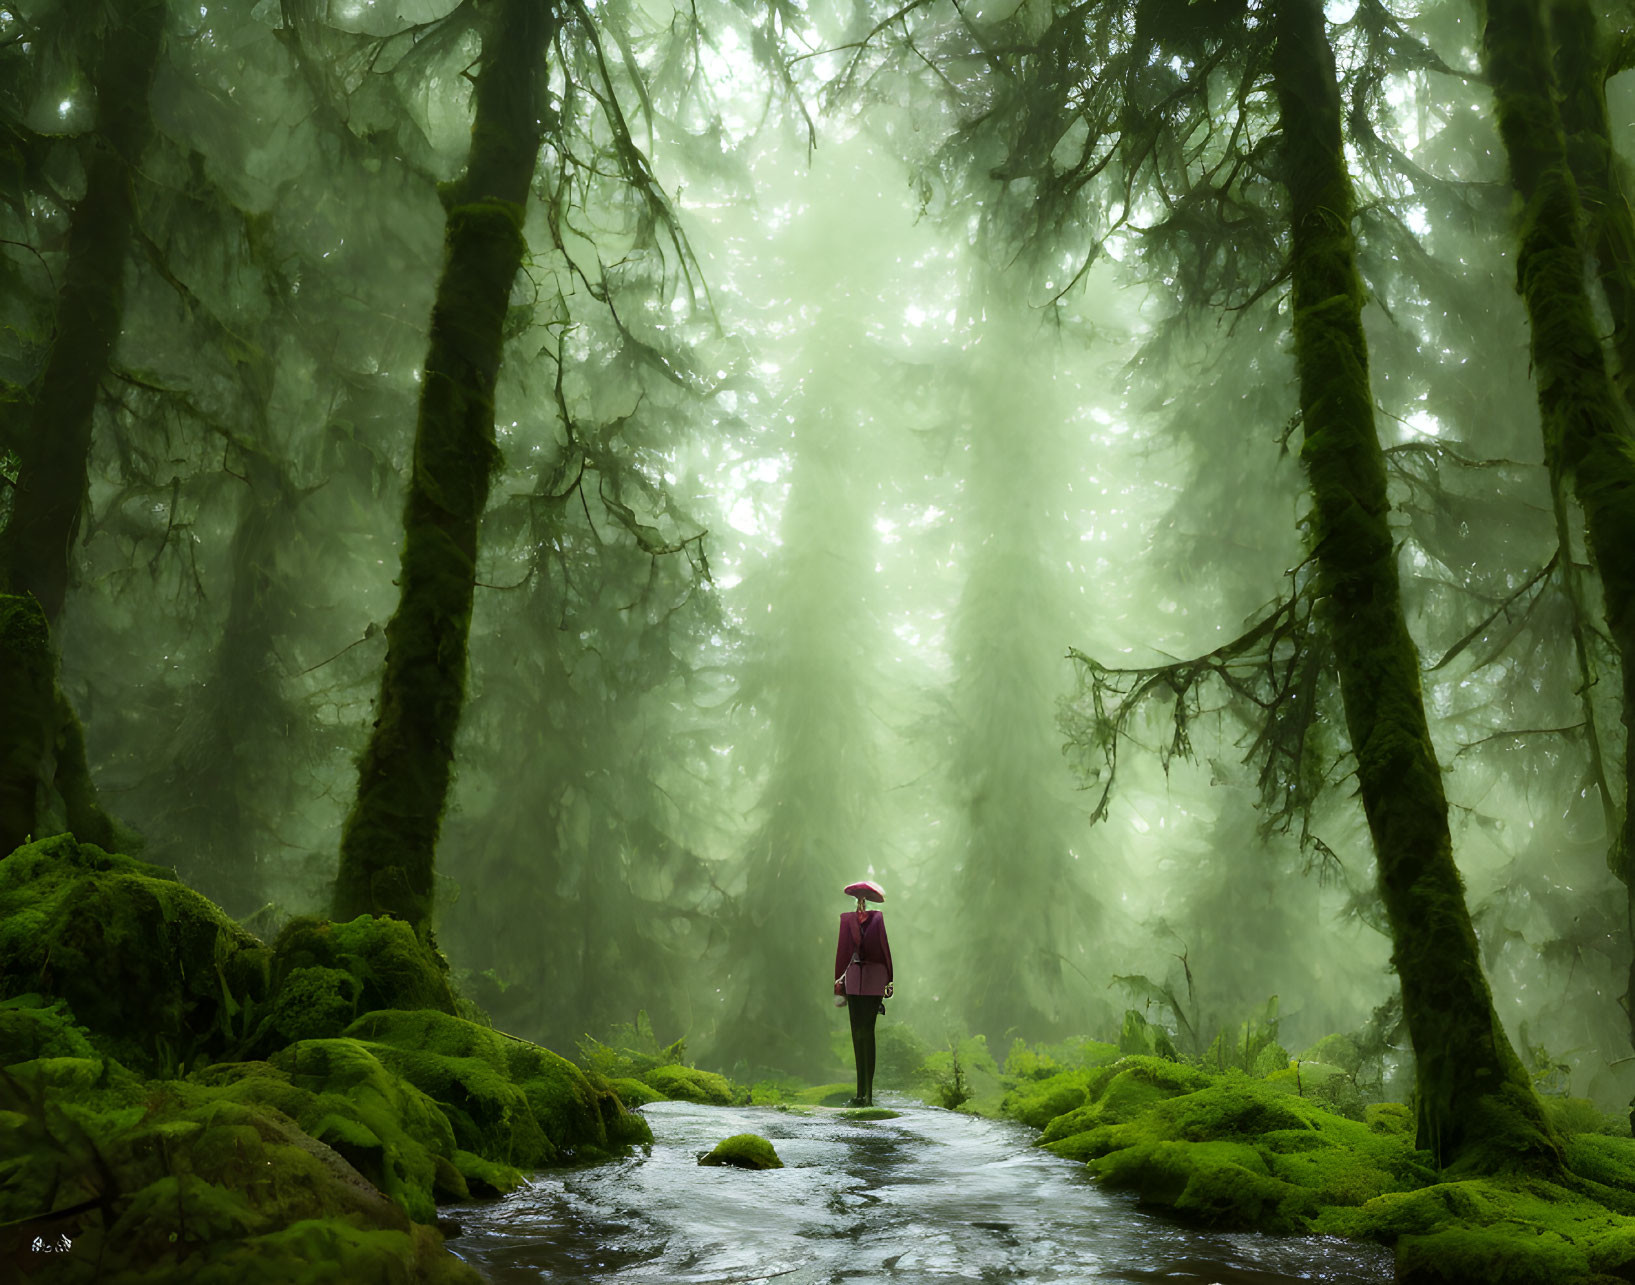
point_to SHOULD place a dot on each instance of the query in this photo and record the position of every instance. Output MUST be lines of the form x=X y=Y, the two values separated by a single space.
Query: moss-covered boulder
x=743 y=1151
x=1508 y=1231
x=327 y=975
x=689 y=1084
x=30 y=1028
x=634 y=1093
x=1235 y=1151
x=340 y=1094
x=1117 y=1094
x=507 y=1100
x=178 y=1182
x=1036 y=1103
x=158 y=974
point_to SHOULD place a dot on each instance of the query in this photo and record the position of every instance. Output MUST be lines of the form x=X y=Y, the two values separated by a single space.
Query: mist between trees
x=896 y=472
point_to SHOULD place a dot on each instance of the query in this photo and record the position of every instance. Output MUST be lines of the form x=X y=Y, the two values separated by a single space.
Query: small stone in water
x=743 y=1151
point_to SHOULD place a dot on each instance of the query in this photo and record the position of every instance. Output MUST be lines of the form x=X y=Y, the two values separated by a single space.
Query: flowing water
x=931 y=1196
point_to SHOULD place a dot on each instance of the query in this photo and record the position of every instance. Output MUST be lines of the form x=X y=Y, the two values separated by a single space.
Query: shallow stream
x=931 y=1196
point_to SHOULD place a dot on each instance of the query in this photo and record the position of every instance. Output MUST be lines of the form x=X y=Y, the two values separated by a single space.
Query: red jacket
x=872 y=949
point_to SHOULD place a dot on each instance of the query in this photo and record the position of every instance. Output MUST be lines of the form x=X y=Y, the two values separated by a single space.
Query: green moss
x=507 y=1100
x=386 y=1128
x=201 y=1185
x=1329 y=1086
x=743 y=1151
x=689 y=1084
x=389 y=840
x=1215 y=1183
x=824 y=1095
x=870 y=1113
x=633 y=1093
x=1461 y=1255
x=326 y=975
x=27 y=713
x=157 y=973
x=31 y=1028
x=310 y=1004
x=1037 y=1103
x=1579 y=1115
x=1513 y=1230
x=1123 y=1091
x=486 y=1177
x=1389 y=1117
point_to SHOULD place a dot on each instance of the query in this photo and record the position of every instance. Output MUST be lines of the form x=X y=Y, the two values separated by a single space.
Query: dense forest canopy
x=896 y=475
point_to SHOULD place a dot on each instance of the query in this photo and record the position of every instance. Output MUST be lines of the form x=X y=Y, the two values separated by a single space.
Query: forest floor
x=182 y=1102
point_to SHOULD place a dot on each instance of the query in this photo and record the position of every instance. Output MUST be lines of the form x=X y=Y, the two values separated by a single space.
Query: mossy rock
x=1038 y=1102
x=326 y=975
x=203 y=1189
x=161 y=978
x=633 y=1093
x=341 y=1094
x=1122 y=1091
x=1509 y=1231
x=507 y=1100
x=485 y=1178
x=1229 y=1150
x=689 y=1084
x=1215 y=1183
x=870 y=1113
x=32 y=1028
x=1390 y=1117
x=743 y=1151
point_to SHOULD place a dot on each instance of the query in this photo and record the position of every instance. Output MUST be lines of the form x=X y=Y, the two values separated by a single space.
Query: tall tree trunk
x=1476 y=1106
x=54 y=453
x=1582 y=63
x=45 y=784
x=388 y=845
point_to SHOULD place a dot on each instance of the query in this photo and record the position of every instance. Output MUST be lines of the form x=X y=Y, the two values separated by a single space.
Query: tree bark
x=1476 y=1106
x=388 y=845
x=54 y=453
x=45 y=785
x=1556 y=159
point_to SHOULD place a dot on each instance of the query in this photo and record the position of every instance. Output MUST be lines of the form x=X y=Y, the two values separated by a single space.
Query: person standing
x=863 y=975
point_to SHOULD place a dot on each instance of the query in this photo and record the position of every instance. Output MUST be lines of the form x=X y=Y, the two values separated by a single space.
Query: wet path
x=932 y=1196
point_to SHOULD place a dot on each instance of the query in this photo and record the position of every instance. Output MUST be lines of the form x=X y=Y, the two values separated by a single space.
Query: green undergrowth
x=1296 y=1148
x=641 y=1070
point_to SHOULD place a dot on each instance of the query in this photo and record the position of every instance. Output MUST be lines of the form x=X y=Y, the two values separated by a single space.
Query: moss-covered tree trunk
x=45 y=785
x=54 y=453
x=389 y=841
x=1476 y=1106
x=1582 y=66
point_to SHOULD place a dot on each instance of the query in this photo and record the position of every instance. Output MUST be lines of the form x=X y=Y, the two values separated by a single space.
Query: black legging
x=863 y=1009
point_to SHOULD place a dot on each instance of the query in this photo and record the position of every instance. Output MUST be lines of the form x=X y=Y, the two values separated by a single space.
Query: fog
x=839 y=466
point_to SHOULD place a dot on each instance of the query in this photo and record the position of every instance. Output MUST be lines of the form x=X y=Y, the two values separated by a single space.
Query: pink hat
x=867 y=889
